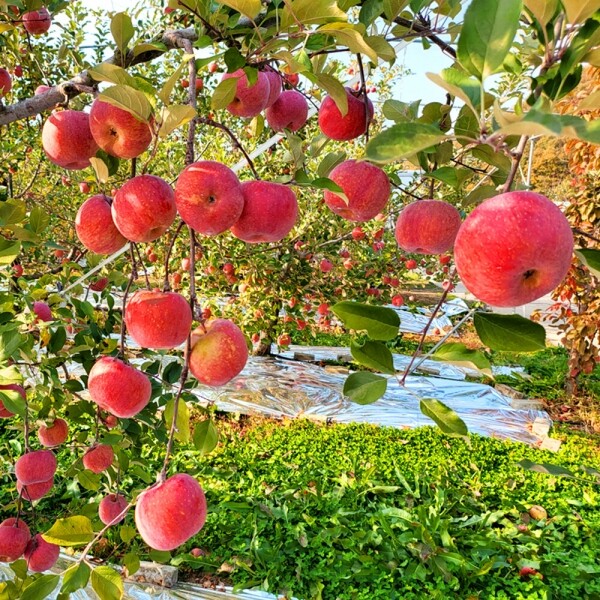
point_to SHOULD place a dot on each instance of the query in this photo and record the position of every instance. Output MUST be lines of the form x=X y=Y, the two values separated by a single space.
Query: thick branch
x=424 y=31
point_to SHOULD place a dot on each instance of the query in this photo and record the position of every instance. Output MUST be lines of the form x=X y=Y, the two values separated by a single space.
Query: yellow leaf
x=351 y=36
x=579 y=10
x=311 y=12
x=175 y=116
x=248 y=8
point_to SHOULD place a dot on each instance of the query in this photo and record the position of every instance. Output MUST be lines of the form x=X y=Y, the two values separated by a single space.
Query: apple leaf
x=352 y=36
x=461 y=85
x=10 y=342
x=452 y=176
x=487 y=34
x=175 y=116
x=331 y=160
x=364 y=387
x=445 y=418
x=403 y=140
x=72 y=531
x=324 y=183
x=380 y=323
x=591 y=259
x=546 y=468
x=579 y=10
x=224 y=93
x=392 y=8
x=400 y=112
x=374 y=355
x=248 y=8
x=14 y=402
x=542 y=10
x=107 y=583
x=206 y=436
x=39 y=219
x=41 y=588
x=458 y=354
x=9 y=250
x=122 y=30
x=100 y=169
x=509 y=333
x=112 y=74
x=12 y=212
x=182 y=433
x=75 y=578
x=334 y=88
x=129 y=99
x=131 y=561
x=166 y=89
x=154 y=48
x=311 y=12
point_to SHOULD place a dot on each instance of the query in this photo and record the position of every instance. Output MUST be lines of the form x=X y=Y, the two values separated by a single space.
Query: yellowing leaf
x=248 y=8
x=334 y=88
x=311 y=12
x=579 y=10
x=111 y=73
x=351 y=36
x=175 y=116
x=183 y=420
x=542 y=10
x=100 y=168
x=133 y=101
x=592 y=102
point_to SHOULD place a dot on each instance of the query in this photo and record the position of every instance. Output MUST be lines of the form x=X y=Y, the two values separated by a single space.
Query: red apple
x=18 y=270
x=349 y=126
x=40 y=554
x=209 y=197
x=98 y=458
x=274 y=86
x=249 y=100
x=41 y=89
x=14 y=536
x=111 y=509
x=35 y=491
x=118 y=387
x=427 y=227
x=366 y=186
x=170 y=513
x=117 y=131
x=5 y=82
x=4 y=412
x=95 y=227
x=411 y=264
x=284 y=339
x=158 y=319
x=84 y=187
x=213 y=67
x=358 y=234
x=99 y=285
x=289 y=111
x=144 y=208
x=37 y=22
x=325 y=265
x=18 y=71
x=513 y=249
x=35 y=467
x=67 y=139
x=323 y=309
x=54 y=434
x=42 y=311
x=270 y=212
x=397 y=300
x=218 y=352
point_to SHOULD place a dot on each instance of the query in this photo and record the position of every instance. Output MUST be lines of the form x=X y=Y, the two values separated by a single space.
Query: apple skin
x=348 y=127
x=117 y=131
x=67 y=139
x=111 y=507
x=4 y=412
x=35 y=491
x=95 y=227
x=170 y=513
x=98 y=458
x=35 y=467
x=55 y=434
x=158 y=319
x=513 y=249
x=118 y=388
x=366 y=186
x=248 y=101
x=208 y=196
x=5 y=82
x=42 y=311
x=40 y=554
x=144 y=208
x=14 y=537
x=290 y=111
x=270 y=212
x=37 y=22
x=427 y=227
x=218 y=352
x=274 y=86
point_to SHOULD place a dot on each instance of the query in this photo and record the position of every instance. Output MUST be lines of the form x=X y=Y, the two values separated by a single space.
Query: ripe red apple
x=14 y=536
x=111 y=509
x=40 y=554
x=249 y=100
x=292 y=79
x=218 y=352
x=284 y=339
x=274 y=86
x=35 y=491
x=117 y=131
x=67 y=139
x=358 y=234
x=209 y=197
x=84 y=187
x=397 y=300
x=35 y=467
x=37 y=22
x=325 y=265
x=427 y=227
x=270 y=211
x=144 y=208
x=349 y=126
x=118 y=388
x=366 y=186
x=4 y=412
x=95 y=227
x=17 y=270
x=111 y=421
x=411 y=264
x=170 y=513
x=213 y=67
x=99 y=285
x=42 y=311
x=41 y=89
x=323 y=308
x=98 y=458
x=513 y=248
x=289 y=111
x=54 y=434
x=5 y=82
x=18 y=71
x=158 y=319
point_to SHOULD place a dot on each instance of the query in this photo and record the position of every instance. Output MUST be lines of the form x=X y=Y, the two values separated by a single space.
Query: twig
x=363 y=91
x=516 y=156
x=131 y=278
x=166 y=285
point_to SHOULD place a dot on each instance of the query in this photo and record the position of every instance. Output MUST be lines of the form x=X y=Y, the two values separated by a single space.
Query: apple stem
x=141 y=263
x=131 y=278
x=166 y=284
x=363 y=91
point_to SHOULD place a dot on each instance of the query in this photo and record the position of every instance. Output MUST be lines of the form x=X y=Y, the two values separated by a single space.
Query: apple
x=99 y=285
x=14 y=536
x=366 y=186
x=171 y=512
x=54 y=434
x=158 y=319
x=111 y=509
x=42 y=311
x=213 y=67
x=427 y=227
x=209 y=197
x=117 y=131
x=18 y=71
x=35 y=467
x=249 y=100
x=284 y=339
x=37 y=22
x=292 y=79
x=349 y=126
x=67 y=139
x=144 y=208
x=98 y=458
x=325 y=265
x=397 y=300
x=18 y=270
x=40 y=554
x=411 y=264
x=5 y=82
x=84 y=187
x=274 y=86
x=269 y=214
x=41 y=89
x=4 y=412
x=218 y=352
x=358 y=234
x=95 y=227
x=289 y=111
x=118 y=388
x=513 y=249
x=323 y=309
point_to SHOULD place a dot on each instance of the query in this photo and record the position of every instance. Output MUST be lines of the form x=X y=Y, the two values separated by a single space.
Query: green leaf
x=153 y=48
x=334 y=88
x=248 y=8
x=374 y=355
x=579 y=10
x=58 y=340
x=487 y=34
x=127 y=533
x=131 y=562
x=9 y=250
x=445 y=418
x=352 y=36
x=311 y=12
x=392 y=8
x=364 y=387
x=331 y=160
x=369 y=11
x=129 y=99
x=379 y=322
x=175 y=116
x=206 y=436
x=75 y=578
x=112 y=74
x=38 y=220
x=160 y=556
x=122 y=30
x=224 y=93
x=546 y=468
x=591 y=259
x=12 y=212
x=14 y=402
x=542 y=10
x=403 y=140
x=182 y=433
x=89 y=480
x=400 y=112
x=452 y=176
x=382 y=47
x=41 y=588
x=10 y=342
x=166 y=90
x=509 y=333
x=107 y=583
x=458 y=354
x=461 y=85
x=72 y=531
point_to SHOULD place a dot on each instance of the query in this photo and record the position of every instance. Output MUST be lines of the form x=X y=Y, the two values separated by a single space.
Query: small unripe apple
x=42 y=311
